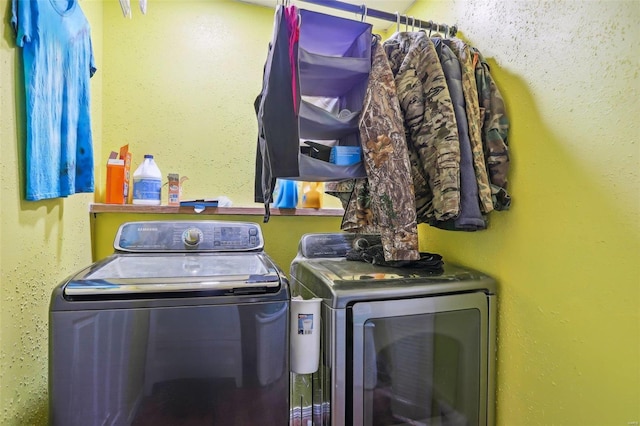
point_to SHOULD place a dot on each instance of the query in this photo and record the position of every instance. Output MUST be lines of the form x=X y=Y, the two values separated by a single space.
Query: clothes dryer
x=398 y=346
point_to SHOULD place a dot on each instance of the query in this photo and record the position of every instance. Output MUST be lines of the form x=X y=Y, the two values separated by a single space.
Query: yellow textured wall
x=42 y=242
x=567 y=254
x=181 y=82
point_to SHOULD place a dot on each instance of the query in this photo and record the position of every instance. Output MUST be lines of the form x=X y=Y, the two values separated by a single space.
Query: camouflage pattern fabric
x=470 y=91
x=430 y=123
x=341 y=190
x=384 y=203
x=495 y=126
x=358 y=215
x=470 y=217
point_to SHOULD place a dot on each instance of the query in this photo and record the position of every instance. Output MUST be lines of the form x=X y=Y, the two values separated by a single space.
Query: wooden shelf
x=250 y=211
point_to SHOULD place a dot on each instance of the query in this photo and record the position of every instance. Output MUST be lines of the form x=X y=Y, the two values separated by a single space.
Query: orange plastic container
x=312 y=195
x=115 y=182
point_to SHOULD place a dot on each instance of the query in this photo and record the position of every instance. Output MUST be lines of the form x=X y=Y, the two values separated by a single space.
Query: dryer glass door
x=420 y=361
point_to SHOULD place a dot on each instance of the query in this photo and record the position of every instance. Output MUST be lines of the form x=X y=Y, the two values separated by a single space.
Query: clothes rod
x=387 y=16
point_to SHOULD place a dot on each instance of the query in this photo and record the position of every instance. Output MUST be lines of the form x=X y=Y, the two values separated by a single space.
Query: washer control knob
x=192 y=237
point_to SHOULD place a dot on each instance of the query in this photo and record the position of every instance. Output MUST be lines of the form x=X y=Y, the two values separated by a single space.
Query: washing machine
x=398 y=346
x=186 y=323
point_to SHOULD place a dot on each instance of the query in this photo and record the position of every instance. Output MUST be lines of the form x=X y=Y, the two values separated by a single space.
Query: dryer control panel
x=188 y=236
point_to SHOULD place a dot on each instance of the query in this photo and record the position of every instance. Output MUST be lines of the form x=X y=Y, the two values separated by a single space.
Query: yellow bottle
x=311 y=195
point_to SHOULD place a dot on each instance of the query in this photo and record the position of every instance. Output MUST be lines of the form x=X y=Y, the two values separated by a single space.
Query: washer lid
x=154 y=273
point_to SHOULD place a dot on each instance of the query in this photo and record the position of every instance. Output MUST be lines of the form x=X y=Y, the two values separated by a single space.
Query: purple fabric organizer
x=334 y=61
x=331 y=60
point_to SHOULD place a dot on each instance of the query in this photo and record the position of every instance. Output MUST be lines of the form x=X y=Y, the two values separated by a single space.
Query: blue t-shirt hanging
x=58 y=63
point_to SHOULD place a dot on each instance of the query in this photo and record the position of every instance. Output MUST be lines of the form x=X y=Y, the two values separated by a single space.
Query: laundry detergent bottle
x=312 y=195
x=147 y=183
x=287 y=197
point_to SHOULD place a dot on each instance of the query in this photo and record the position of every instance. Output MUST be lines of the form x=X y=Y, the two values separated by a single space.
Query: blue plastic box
x=345 y=155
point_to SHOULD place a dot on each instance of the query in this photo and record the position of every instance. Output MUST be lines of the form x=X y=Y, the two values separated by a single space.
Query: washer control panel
x=181 y=236
x=334 y=244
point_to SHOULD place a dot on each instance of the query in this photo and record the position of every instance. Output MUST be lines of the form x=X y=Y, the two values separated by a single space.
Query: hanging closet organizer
x=315 y=82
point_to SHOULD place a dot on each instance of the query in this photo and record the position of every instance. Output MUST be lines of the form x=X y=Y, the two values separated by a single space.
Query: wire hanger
x=397 y=21
x=364 y=12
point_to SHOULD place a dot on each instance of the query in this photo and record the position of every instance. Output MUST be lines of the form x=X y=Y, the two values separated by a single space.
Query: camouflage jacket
x=430 y=124
x=384 y=202
x=495 y=126
x=472 y=107
x=470 y=217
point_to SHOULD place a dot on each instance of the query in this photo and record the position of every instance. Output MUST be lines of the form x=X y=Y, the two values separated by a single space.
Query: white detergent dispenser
x=305 y=335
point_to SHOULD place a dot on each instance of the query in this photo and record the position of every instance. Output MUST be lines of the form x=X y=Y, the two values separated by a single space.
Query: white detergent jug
x=147 y=182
